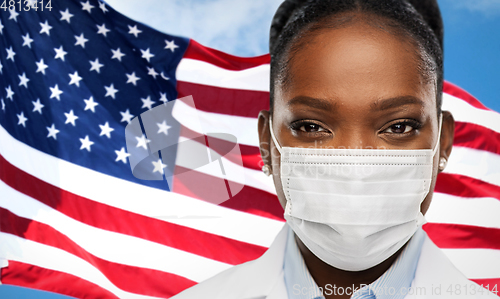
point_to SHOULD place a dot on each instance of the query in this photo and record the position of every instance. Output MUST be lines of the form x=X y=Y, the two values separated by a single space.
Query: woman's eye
x=311 y=128
x=400 y=128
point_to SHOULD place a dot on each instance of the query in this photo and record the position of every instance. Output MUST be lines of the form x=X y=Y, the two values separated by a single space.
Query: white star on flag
x=1 y=27
x=86 y=143
x=126 y=116
x=3 y=105
x=66 y=16
x=55 y=92
x=121 y=155
x=10 y=93
x=87 y=6
x=70 y=118
x=102 y=29
x=102 y=6
x=75 y=79
x=106 y=130
x=38 y=106
x=117 y=54
x=171 y=45
x=27 y=40
x=163 y=97
x=52 y=132
x=90 y=104
x=22 y=119
x=146 y=54
x=13 y=14
x=23 y=80
x=147 y=103
x=158 y=166
x=41 y=66
x=111 y=91
x=142 y=142
x=133 y=30
x=152 y=72
x=81 y=40
x=163 y=127
x=132 y=78
x=10 y=53
x=96 y=66
x=60 y=53
x=45 y=28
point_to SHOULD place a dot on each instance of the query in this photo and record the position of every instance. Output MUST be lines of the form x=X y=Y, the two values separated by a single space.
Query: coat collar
x=263 y=278
x=436 y=277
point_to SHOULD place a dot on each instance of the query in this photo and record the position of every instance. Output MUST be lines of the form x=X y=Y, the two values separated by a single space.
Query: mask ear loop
x=272 y=135
x=439 y=134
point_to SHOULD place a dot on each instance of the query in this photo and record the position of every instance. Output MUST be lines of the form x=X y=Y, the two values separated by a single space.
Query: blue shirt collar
x=394 y=283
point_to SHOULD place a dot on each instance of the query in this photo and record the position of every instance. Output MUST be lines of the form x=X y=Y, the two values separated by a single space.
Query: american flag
x=73 y=218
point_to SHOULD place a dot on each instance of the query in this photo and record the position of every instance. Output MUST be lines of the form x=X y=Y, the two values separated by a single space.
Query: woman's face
x=355 y=87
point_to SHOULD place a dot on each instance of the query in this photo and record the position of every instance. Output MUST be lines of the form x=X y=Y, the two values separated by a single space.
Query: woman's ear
x=264 y=137
x=447 y=134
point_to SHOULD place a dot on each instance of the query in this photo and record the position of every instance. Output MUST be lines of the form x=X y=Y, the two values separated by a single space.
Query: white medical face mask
x=354 y=208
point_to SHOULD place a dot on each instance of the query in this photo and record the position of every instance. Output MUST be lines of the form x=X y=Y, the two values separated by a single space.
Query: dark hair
x=297 y=19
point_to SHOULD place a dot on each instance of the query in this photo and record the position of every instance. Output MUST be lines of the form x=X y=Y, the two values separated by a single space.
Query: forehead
x=360 y=60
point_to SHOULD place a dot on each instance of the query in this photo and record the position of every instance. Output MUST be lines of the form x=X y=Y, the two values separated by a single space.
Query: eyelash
x=414 y=124
x=296 y=126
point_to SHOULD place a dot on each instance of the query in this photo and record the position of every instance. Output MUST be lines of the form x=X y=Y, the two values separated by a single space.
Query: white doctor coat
x=263 y=278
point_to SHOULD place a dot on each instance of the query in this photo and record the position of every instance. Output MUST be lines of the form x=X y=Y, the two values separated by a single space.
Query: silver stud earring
x=442 y=163
x=266 y=169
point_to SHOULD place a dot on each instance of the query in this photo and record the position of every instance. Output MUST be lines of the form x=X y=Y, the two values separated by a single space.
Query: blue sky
x=240 y=27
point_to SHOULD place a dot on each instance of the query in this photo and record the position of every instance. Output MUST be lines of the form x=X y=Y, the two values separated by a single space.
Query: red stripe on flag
x=257 y=202
x=447 y=235
x=491 y=284
x=458 y=92
x=128 y=278
x=223 y=60
x=236 y=102
x=464 y=186
x=249 y=200
x=96 y=214
x=476 y=137
x=29 y=276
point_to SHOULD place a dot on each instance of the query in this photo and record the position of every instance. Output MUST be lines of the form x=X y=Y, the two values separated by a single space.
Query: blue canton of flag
x=75 y=75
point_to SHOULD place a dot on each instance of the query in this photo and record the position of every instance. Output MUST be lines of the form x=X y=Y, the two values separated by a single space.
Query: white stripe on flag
x=244 y=128
x=465 y=112
x=155 y=203
x=111 y=246
x=476 y=263
x=197 y=71
x=447 y=208
x=33 y=253
x=478 y=164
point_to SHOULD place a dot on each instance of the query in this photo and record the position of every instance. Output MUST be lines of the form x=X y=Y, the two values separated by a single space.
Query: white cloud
x=238 y=27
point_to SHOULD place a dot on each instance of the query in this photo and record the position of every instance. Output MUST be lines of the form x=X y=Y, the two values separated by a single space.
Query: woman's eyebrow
x=396 y=102
x=320 y=104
